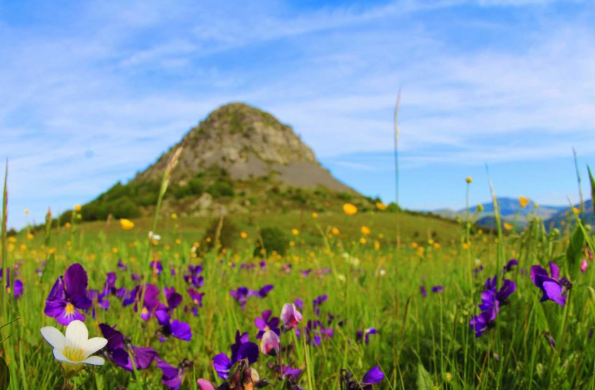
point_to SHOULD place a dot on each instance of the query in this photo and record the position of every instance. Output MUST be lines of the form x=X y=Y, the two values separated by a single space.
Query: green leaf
x=575 y=249
x=424 y=379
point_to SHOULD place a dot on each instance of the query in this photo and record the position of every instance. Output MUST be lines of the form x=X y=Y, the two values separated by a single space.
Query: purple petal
x=374 y=376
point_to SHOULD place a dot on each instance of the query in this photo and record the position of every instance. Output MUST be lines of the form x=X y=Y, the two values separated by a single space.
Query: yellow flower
x=376 y=245
x=436 y=245
x=363 y=240
x=115 y=250
x=314 y=215
x=126 y=224
x=335 y=231
x=469 y=180
x=67 y=225
x=365 y=230
x=77 y=207
x=174 y=216
x=295 y=232
x=349 y=209
x=576 y=210
x=244 y=235
x=414 y=245
x=479 y=208
x=381 y=206
x=23 y=247
x=178 y=241
x=524 y=201
x=27 y=212
x=12 y=239
x=507 y=226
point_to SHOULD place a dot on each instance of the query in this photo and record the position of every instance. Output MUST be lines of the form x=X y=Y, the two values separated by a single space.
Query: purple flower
x=240 y=295
x=196 y=298
x=364 y=334
x=17 y=287
x=306 y=272
x=553 y=289
x=491 y=300
x=316 y=303
x=193 y=277
x=156 y=267
x=177 y=329
x=265 y=322
x=287 y=371
x=510 y=264
x=118 y=350
x=423 y=291
x=241 y=349
x=372 y=377
x=316 y=332
x=150 y=301
x=172 y=377
x=121 y=265
x=437 y=289
x=68 y=296
x=263 y=292
x=163 y=312
x=299 y=304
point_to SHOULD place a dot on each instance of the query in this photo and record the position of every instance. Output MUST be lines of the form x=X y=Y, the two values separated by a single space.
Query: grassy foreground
x=423 y=342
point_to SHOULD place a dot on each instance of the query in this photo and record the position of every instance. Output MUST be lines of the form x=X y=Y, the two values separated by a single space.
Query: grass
x=423 y=342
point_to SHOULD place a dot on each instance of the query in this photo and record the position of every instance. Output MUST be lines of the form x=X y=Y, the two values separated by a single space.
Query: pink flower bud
x=290 y=316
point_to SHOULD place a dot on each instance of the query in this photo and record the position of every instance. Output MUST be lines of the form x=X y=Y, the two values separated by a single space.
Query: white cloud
x=126 y=82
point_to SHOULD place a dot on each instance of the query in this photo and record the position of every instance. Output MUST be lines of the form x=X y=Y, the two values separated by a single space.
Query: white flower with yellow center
x=74 y=347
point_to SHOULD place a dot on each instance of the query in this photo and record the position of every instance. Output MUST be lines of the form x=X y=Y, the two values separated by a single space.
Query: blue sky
x=94 y=91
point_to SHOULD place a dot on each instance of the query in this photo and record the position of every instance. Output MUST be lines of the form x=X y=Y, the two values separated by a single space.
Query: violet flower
x=491 y=300
x=193 y=277
x=173 y=376
x=553 y=289
x=118 y=349
x=437 y=289
x=68 y=296
x=263 y=292
x=364 y=334
x=372 y=377
x=17 y=287
x=423 y=291
x=265 y=323
x=241 y=296
x=241 y=349
x=316 y=303
x=150 y=301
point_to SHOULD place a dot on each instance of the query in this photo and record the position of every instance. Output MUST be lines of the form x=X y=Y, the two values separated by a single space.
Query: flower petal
x=53 y=336
x=94 y=344
x=60 y=356
x=77 y=334
x=94 y=360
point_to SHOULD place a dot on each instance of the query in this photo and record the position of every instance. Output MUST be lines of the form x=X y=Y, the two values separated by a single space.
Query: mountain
x=246 y=142
x=508 y=207
x=567 y=215
x=238 y=159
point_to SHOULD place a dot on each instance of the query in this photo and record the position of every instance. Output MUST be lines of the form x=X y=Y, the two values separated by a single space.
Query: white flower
x=74 y=347
x=153 y=236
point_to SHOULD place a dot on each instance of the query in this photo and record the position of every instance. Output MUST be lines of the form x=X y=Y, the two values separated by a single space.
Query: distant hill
x=508 y=207
x=238 y=160
x=567 y=215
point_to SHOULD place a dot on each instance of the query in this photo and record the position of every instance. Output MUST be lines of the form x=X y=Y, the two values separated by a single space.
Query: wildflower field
x=132 y=308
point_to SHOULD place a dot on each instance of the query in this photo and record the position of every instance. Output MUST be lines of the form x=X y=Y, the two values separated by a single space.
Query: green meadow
x=371 y=280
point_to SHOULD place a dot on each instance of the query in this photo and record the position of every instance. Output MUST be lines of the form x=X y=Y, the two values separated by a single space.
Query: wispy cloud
x=93 y=94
